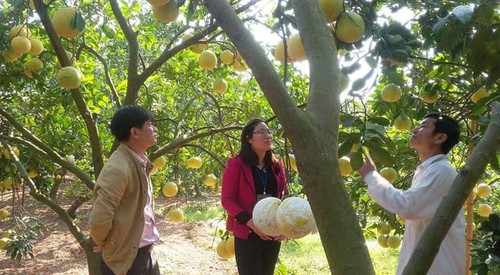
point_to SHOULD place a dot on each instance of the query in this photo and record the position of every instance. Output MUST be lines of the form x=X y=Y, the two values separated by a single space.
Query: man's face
x=147 y=134
x=423 y=136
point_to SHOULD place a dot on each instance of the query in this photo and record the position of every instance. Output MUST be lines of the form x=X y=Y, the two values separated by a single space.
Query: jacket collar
x=139 y=161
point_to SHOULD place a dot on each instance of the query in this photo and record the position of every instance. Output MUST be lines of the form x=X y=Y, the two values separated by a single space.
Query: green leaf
x=358 y=84
x=463 y=13
x=495 y=163
x=356 y=160
x=77 y=22
x=344 y=148
x=380 y=120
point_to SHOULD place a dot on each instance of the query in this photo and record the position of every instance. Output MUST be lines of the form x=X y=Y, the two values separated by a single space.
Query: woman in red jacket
x=253 y=174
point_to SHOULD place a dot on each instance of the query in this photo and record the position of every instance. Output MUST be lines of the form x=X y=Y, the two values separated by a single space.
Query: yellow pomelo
x=194 y=162
x=389 y=174
x=160 y=162
x=210 y=180
x=296 y=49
x=226 y=57
x=230 y=245
x=157 y=3
x=69 y=78
x=4 y=242
x=331 y=9
x=68 y=22
x=393 y=241
x=207 y=60
x=383 y=228
x=196 y=48
x=70 y=58
x=429 y=97
x=295 y=218
x=34 y=65
x=350 y=27
x=402 y=122
x=19 y=30
x=484 y=210
x=239 y=65
x=7 y=183
x=345 y=166
x=32 y=174
x=264 y=216
x=166 y=13
x=382 y=240
x=36 y=46
x=10 y=56
x=222 y=250
x=4 y=214
x=177 y=215
x=220 y=86
x=478 y=94
x=483 y=190
x=279 y=52
x=391 y=93
x=20 y=45
x=169 y=189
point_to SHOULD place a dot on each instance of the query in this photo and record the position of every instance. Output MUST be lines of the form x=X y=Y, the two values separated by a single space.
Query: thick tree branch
x=323 y=103
x=428 y=245
x=95 y=142
x=43 y=149
x=132 y=81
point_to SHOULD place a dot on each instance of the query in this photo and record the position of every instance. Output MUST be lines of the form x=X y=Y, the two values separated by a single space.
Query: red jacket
x=238 y=192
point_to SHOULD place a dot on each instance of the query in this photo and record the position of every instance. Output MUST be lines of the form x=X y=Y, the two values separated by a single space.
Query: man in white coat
x=432 y=140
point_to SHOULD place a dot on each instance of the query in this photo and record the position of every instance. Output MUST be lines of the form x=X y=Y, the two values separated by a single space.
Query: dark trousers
x=144 y=263
x=255 y=256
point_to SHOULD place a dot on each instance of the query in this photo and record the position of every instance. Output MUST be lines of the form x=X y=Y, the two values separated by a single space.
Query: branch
x=428 y=245
x=95 y=142
x=182 y=141
x=43 y=149
x=264 y=72
x=323 y=103
x=133 y=44
x=108 y=76
x=73 y=228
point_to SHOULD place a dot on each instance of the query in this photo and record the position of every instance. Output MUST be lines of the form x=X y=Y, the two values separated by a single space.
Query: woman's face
x=261 y=139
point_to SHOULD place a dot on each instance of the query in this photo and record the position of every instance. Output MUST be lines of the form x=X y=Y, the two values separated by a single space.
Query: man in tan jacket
x=122 y=221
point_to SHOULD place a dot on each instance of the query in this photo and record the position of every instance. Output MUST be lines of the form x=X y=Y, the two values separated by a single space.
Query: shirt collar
x=433 y=159
x=143 y=160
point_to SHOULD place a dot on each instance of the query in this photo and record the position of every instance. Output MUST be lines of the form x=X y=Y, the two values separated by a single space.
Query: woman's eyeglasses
x=264 y=132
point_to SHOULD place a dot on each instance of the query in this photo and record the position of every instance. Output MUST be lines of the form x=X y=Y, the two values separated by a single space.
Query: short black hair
x=247 y=154
x=446 y=125
x=126 y=118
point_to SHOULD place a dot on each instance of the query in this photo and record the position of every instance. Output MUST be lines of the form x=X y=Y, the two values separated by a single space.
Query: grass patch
x=306 y=255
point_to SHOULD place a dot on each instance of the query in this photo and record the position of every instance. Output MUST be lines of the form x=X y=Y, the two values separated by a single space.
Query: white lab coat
x=431 y=182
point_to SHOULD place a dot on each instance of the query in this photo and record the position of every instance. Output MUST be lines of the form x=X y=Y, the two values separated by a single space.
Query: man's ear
x=440 y=138
x=133 y=132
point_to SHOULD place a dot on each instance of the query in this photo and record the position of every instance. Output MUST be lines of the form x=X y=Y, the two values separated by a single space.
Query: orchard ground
x=185 y=248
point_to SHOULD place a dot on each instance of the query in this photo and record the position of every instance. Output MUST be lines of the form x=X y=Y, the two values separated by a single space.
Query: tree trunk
x=428 y=245
x=313 y=134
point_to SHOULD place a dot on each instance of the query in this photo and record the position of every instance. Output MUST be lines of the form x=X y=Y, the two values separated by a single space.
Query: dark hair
x=446 y=125
x=247 y=154
x=126 y=118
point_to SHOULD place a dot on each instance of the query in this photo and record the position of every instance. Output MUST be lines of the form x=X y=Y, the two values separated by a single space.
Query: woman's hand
x=258 y=232
x=281 y=238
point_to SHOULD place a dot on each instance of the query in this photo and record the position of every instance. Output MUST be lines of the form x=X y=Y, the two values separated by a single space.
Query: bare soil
x=184 y=248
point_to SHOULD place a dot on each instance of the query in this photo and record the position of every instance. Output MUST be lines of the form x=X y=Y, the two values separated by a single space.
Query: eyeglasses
x=264 y=132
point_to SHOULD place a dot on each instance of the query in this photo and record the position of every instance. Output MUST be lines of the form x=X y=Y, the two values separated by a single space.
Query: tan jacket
x=117 y=217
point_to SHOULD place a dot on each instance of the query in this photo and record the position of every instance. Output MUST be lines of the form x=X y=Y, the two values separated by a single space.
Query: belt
x=146 y=249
